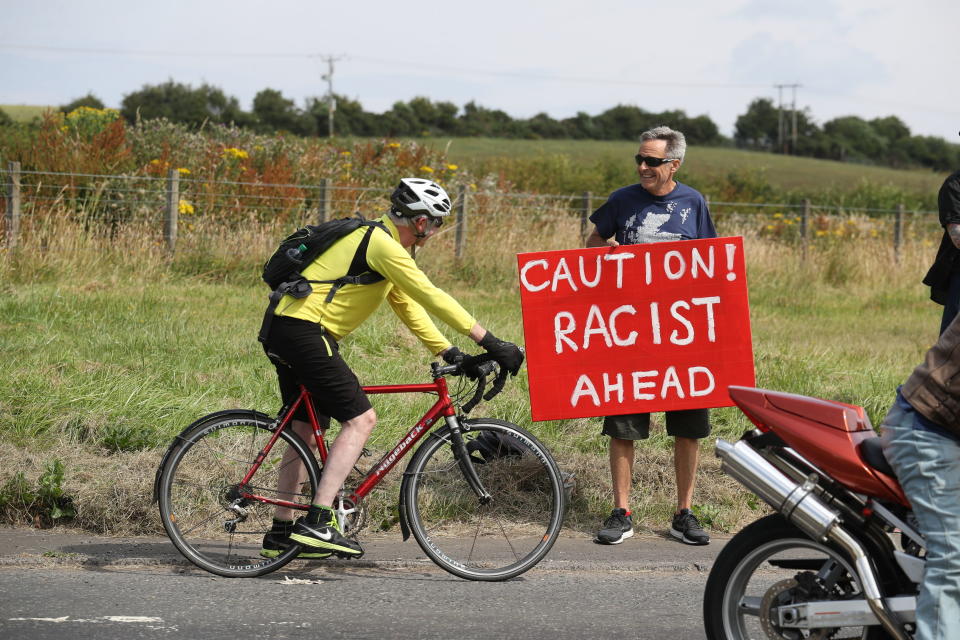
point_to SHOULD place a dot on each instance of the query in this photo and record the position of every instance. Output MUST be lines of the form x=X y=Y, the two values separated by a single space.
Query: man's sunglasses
x=652 y=162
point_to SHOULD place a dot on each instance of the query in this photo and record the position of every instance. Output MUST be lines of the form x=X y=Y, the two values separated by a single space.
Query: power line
x=391 y=63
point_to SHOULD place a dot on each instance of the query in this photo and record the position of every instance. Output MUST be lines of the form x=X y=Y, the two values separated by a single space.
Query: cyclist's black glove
x=453 y=356
x=508 y=355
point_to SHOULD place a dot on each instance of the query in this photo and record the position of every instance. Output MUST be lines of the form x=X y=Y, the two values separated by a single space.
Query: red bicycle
x=483 y=497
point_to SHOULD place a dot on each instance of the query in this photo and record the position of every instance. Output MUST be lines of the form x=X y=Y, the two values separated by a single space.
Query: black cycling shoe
x=275 y=543
x=325 y=537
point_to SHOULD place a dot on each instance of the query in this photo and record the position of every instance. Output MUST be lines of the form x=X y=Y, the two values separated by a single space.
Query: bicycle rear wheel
x=493 y=541
x=214 y=519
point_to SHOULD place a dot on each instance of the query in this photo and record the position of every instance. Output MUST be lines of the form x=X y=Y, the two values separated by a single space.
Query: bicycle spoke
x=490 y=541
x=210 y=515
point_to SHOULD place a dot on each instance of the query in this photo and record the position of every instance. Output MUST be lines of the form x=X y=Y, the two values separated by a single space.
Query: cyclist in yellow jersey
x=303 y=344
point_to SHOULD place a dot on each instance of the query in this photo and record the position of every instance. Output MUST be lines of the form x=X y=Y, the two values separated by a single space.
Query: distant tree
x=480 y=121
x=273 y=112
x=182 y=103
x=624 y=122
x=543 y=126
x=580 y=126
x=5 y=118
x=932 y=152
x=757 y=128
x=434 y=117
x=852 y=138
x=88 y=100
x=349 y=119
x=701 y=130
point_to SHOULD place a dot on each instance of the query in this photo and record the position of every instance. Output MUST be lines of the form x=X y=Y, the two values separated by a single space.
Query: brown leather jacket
x=934 y=387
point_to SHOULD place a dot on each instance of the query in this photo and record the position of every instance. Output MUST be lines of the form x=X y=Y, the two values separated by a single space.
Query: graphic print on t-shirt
x=637 y=232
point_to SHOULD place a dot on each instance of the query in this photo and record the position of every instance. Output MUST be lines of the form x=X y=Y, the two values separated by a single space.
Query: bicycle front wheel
x=507 y=535
x=214 y=518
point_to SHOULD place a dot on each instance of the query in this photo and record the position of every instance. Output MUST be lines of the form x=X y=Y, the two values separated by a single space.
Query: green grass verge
x=103 y=369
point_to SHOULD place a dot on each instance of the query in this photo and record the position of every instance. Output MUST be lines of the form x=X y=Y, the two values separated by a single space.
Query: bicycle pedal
x=348 y=556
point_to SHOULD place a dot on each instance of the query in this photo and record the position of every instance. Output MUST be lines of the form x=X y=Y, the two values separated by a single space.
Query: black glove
x=508 y=355
x=453 y=356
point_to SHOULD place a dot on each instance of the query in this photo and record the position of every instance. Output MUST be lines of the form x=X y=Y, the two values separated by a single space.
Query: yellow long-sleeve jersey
x=406 y=287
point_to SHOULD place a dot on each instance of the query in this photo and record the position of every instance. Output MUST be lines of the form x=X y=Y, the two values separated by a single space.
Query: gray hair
x=676 y=142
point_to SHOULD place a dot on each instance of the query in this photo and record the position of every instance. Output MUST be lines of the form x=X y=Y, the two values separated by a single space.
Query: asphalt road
x=77 y=587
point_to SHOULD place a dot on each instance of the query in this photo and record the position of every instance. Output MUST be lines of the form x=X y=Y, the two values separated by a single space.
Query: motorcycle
x=841 y=557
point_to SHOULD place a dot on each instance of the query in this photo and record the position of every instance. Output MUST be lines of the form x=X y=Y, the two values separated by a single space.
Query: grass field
x=112 y=348
x=23 y=112
x=702 y=164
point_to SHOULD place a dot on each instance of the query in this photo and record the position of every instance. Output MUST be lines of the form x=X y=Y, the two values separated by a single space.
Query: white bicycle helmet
x=416 y=196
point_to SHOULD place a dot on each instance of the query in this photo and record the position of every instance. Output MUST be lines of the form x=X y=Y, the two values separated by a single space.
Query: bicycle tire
x=498 y=540
x=199 y=481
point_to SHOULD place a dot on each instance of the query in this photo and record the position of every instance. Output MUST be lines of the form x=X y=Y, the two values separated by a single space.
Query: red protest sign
x=635 y=328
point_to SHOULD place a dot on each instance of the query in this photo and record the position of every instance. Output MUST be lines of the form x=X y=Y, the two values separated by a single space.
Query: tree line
x=881 y=141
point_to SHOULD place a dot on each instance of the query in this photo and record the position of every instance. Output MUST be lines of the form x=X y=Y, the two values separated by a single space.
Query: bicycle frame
x=442 y=408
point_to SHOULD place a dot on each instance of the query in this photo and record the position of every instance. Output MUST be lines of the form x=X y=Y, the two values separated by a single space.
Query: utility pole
x=781 y=123
x=331 y=101
x=793 y=109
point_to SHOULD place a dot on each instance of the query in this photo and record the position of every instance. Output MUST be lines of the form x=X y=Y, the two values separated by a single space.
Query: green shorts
x=690 y=423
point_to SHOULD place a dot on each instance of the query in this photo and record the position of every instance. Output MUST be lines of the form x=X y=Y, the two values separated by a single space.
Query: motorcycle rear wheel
x=758 y=569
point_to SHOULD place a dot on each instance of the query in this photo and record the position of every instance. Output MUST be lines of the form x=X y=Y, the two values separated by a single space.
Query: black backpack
x=282 y=271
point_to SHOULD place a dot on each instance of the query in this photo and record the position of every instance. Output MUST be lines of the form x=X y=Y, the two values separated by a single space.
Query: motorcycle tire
x=733 y=605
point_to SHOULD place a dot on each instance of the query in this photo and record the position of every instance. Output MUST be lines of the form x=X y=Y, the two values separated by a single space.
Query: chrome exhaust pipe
x=799 y=505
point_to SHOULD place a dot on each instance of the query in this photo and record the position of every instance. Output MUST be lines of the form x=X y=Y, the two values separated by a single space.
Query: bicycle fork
x=462 y=456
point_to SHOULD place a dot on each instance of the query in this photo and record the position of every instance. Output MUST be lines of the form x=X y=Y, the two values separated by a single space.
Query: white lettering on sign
x=561 y=332
x=669 y=384
x=562 y=272
x=523 y=275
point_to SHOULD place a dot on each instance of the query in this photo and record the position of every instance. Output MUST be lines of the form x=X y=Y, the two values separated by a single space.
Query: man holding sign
x=657 y=209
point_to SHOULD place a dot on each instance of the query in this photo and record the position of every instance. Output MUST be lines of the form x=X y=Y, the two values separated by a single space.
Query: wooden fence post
x=173 y=209
x=13 y=204
x=325 y=189
x=585 y=215
x=804 y=226
x=898 y=231
x=461 y=233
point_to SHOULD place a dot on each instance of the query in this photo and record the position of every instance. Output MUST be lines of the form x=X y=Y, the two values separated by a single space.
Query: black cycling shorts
x=689 y=423
x=311 y=357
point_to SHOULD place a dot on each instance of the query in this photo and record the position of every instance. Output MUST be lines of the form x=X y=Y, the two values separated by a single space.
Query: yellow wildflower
x=777 y=216
x=820 y=234
x=426 y=169
x=185 y=208
x=233 y=152
x=770 y=227
x=183 y=171
x=345 y=153
x=452 y=167
x=394 y=145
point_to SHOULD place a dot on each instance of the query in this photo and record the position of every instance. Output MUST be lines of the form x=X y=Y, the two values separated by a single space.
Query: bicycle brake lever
x=478 y=394
x=498 y=383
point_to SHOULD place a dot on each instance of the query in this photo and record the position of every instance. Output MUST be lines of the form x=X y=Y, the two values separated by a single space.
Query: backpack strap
x=359 y=271
x=299 y=287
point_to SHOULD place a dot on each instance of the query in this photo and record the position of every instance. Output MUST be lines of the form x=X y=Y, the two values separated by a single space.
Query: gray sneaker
x=617 y=528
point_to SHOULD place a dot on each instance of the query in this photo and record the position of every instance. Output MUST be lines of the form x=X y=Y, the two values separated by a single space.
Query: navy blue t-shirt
x=637 y=217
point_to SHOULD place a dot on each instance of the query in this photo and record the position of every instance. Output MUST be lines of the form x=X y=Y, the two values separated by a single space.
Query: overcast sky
x=852 y=57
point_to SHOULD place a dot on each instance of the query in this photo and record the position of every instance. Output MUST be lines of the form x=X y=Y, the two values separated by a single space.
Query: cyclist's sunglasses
x=652 y=162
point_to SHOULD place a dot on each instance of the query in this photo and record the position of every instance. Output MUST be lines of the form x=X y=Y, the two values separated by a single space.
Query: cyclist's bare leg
x=292 y=472
x=343 y=455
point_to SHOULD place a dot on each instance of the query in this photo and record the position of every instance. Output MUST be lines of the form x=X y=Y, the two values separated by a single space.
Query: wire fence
x=169 y=206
